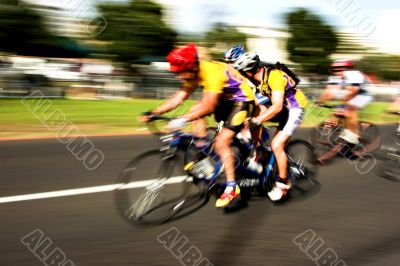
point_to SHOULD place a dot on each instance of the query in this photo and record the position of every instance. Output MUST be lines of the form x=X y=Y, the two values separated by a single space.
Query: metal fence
x=154 y=86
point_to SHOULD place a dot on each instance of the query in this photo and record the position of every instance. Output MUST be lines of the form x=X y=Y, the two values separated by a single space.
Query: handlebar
x=394 y=112
x=154 y=126
x=159 y=118
x=335 y=106
x=155 y=129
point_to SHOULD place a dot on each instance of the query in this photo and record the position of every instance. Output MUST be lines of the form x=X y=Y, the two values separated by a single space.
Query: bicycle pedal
x=196 y=180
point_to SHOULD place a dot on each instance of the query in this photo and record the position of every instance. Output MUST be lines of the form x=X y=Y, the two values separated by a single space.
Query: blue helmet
x=232 y=54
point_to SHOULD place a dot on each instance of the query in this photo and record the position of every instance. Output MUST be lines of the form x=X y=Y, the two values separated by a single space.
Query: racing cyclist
x=349 y=85
x=226 y=93
x=230 y=56
x=281 y=89
x=262 y=101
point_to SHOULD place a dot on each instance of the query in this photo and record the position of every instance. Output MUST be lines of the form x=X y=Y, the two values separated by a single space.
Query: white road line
x=87 y=190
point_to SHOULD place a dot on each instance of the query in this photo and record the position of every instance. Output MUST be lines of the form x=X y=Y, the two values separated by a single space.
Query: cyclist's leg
x=246 y=133
x=351 y=119
x=223 y=149
x=395 y=106
x=352 y=132
x=278 y=147
x=199 y=126
x=287 y=127
x=281 y=118
x=233 y=124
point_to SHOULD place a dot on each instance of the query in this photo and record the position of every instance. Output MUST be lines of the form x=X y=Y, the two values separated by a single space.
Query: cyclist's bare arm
x=176 y=100
x=328 y=93
x=277 y=99
x=351 y=92
x=203 y=107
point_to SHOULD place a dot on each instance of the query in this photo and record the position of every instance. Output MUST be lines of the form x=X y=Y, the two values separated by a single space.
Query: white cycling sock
x=349 y=136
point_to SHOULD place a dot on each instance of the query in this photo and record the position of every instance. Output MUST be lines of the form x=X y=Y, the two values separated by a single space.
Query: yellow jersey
x=223 y=79
x=277 y=80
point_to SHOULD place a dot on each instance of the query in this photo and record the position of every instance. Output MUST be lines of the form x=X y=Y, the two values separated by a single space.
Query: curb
x=72 y=136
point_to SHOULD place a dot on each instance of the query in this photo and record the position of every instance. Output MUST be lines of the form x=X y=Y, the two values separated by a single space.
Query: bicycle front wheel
x=324 y=137
x=153 y=188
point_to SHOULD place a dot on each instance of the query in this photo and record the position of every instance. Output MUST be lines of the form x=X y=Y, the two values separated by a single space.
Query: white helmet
x=247 y=62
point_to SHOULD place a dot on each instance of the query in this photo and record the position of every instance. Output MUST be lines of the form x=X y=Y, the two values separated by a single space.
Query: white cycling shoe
x=278 y=191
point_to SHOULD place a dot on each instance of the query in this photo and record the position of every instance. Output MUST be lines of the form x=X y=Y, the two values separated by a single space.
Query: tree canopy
x=311 y=41
x=22 y=31
x=136 y=31
x=384 y=67
x=221 y=37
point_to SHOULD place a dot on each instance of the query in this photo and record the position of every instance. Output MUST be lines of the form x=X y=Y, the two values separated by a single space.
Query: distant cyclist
x=226 y=94
x=348 y=85
x=395 y=106
x=284 y=94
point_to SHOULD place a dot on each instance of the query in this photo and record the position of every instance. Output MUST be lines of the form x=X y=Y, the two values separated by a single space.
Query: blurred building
x=61 y=16
x=353 y=45
x=270 y=43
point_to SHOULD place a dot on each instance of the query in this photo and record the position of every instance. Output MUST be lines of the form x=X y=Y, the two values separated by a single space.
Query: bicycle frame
x=201 y=180
x=245 y=176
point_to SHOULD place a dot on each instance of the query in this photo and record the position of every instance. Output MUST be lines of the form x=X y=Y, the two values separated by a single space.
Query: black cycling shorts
x=281 y=118
x=233 y=114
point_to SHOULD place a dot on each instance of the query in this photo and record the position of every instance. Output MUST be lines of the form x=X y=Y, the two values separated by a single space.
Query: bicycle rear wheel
x=370 y=139
x=389 y=159
x=389 y=168
x=368 y=132
x=302 y=167
x=154 y=188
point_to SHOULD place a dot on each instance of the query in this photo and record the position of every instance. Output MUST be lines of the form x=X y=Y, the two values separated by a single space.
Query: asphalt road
x=353 y=216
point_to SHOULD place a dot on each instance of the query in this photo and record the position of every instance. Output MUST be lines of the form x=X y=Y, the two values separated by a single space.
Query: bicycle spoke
x=301 y=159
x=164 y=193
x=144 y=202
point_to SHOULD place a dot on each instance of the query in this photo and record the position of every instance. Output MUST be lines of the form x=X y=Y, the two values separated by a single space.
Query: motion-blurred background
x=96 y=65
x=115 y=50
